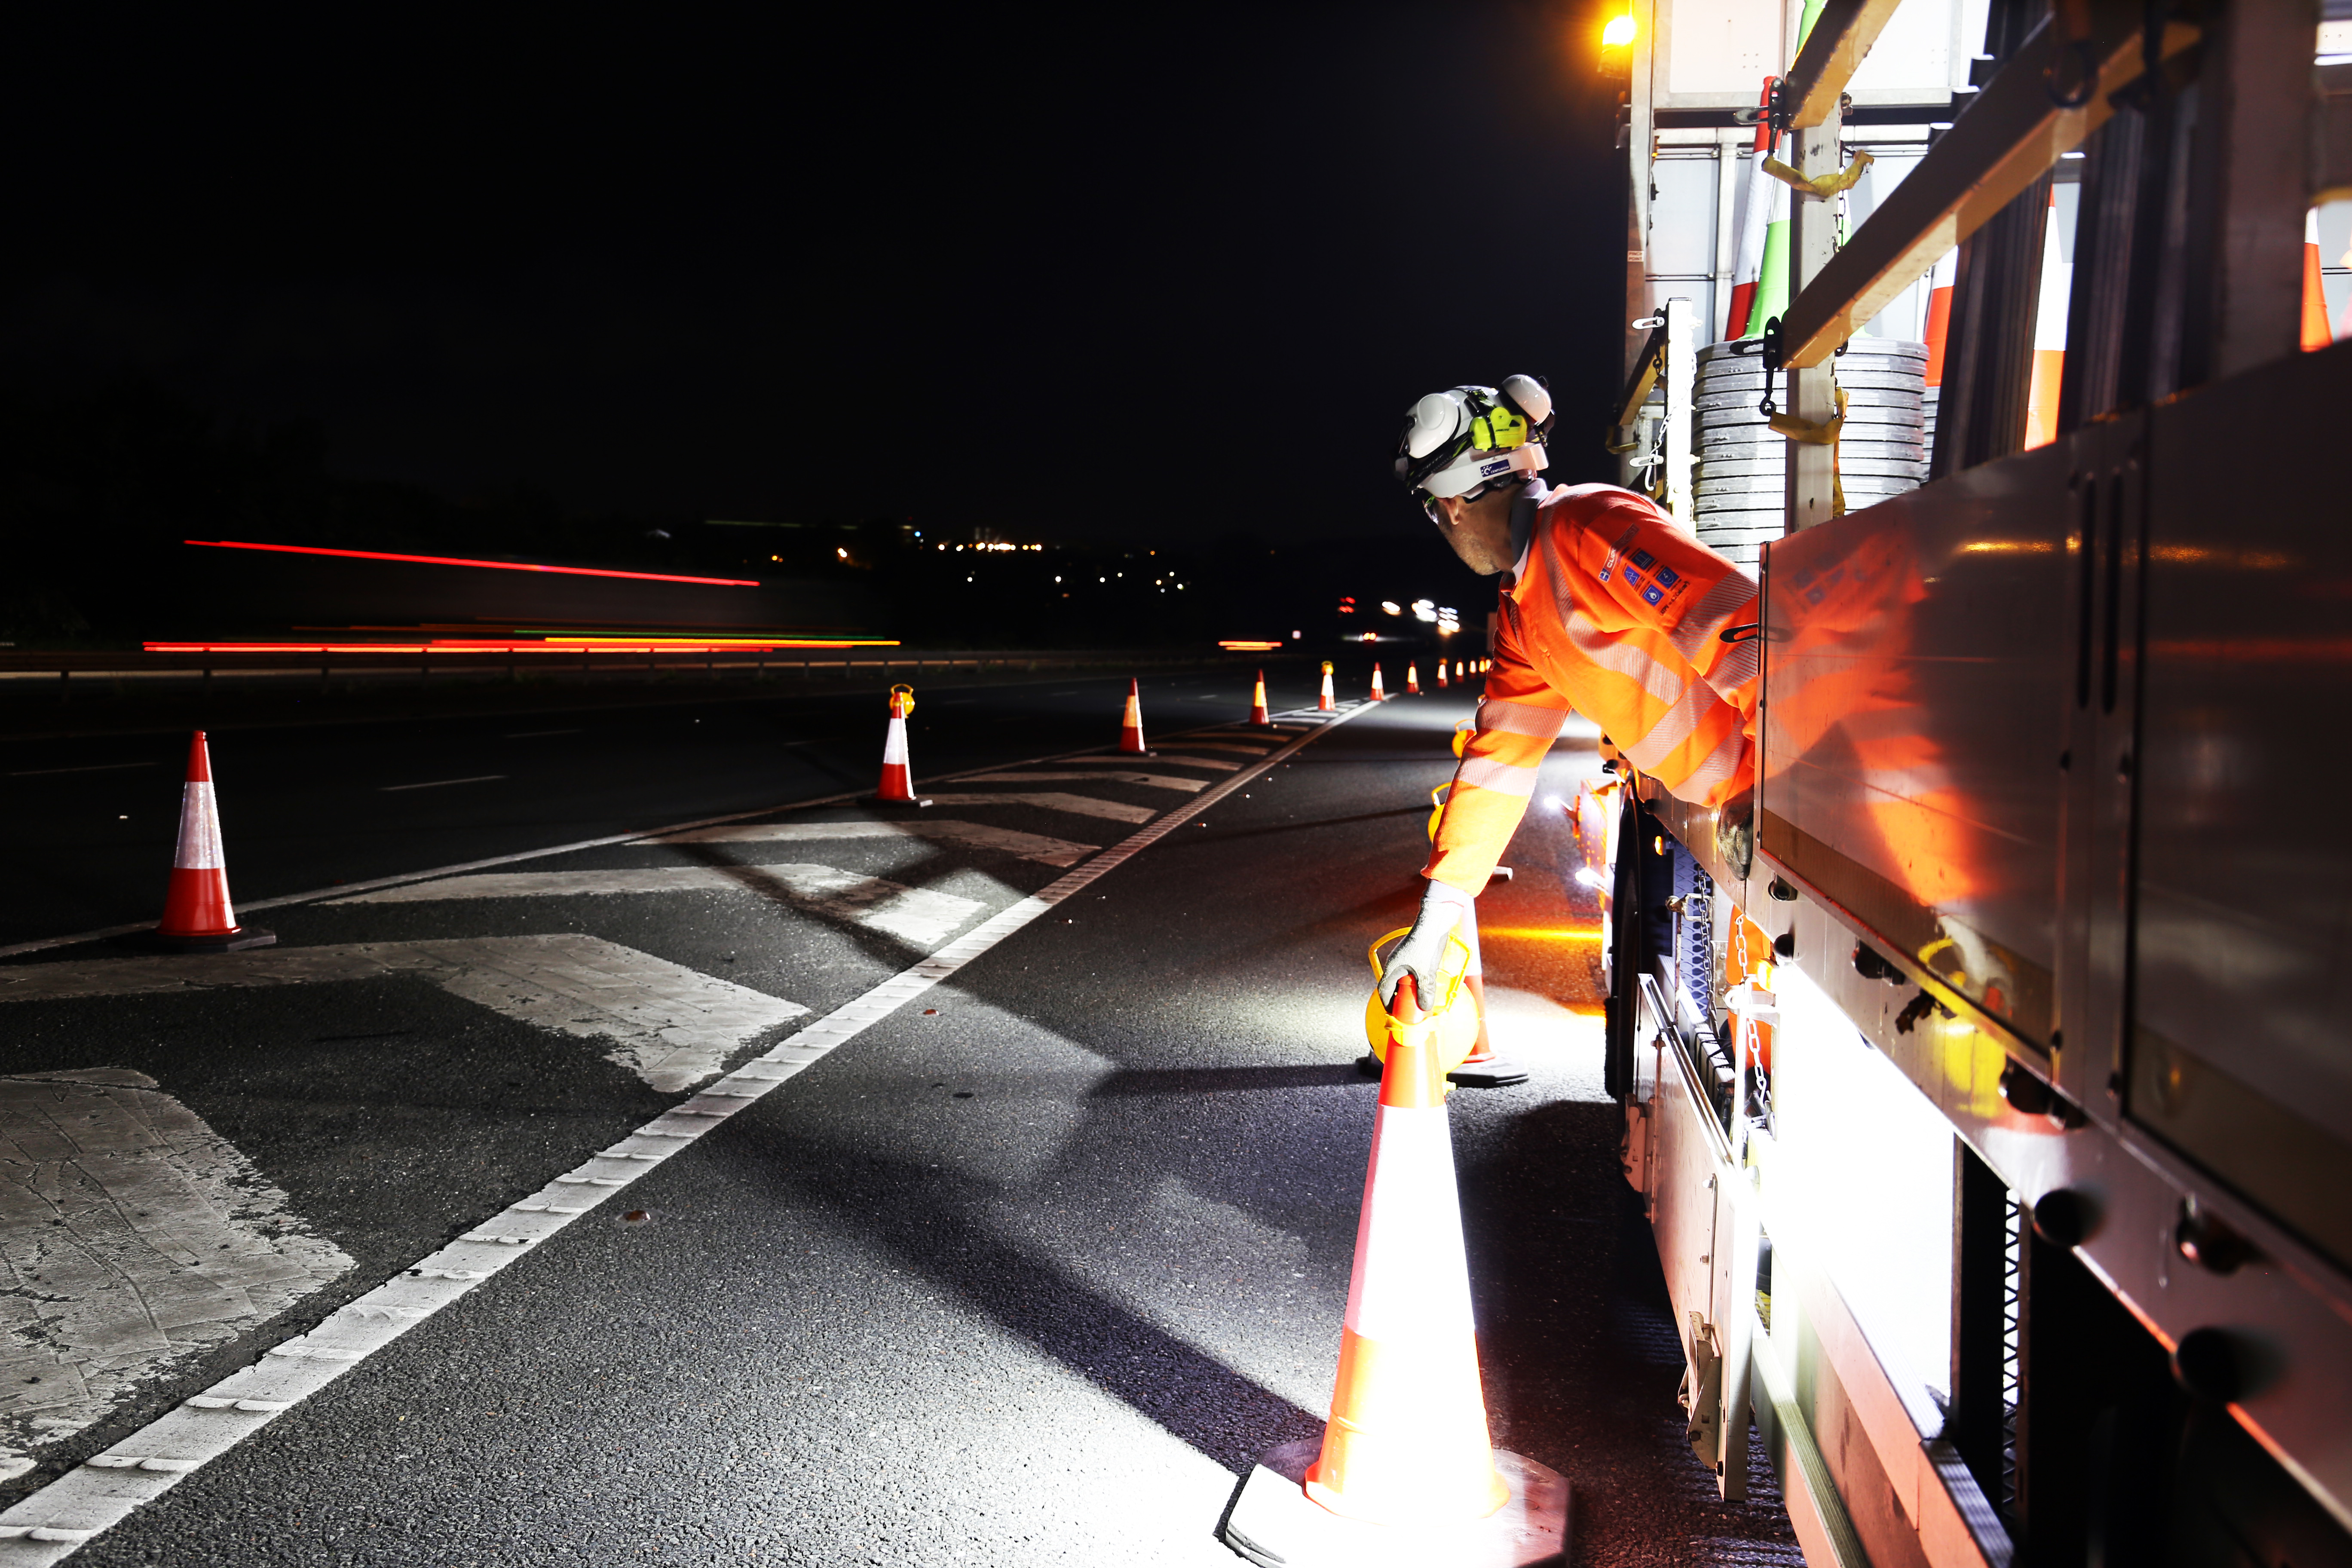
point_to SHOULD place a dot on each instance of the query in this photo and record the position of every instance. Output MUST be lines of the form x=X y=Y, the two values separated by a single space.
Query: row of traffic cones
x=1326 y=702
x=898 y=784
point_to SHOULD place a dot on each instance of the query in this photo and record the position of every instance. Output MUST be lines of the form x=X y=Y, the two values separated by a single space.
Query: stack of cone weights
x=898 y=771
x=1405 y=1471
x=197 y=914
x=1739 y=487
x=1130 y=724
x=1258 y=714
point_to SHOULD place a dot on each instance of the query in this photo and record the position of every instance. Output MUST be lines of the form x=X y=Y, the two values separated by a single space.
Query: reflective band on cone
x=1258 y=714
x=898 y=772
x=197 y=913
x=1130 y=727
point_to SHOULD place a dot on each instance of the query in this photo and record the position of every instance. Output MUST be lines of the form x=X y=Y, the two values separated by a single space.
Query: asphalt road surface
x=839 y=1184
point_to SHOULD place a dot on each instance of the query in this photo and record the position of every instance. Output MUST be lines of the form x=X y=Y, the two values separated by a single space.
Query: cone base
x=1275 y=1525
x=233 y=940
x=1493 y=1073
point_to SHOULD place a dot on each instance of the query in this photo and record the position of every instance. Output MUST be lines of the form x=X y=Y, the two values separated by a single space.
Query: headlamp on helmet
x=1466 y=441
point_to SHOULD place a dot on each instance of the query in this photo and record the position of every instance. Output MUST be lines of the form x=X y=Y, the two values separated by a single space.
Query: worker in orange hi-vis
x=1606 y=608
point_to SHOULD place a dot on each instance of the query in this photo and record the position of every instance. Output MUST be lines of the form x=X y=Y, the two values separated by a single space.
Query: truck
x=1987 y=1076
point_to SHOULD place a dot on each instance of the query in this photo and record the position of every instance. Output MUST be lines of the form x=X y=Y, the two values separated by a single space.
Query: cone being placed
x=1412 y=680
x=1378 y=695
x=1257 y=702
x=898 y=771
x=197 y=909
x=1130 y=727
x=1407 y=1442
x=1324 y=703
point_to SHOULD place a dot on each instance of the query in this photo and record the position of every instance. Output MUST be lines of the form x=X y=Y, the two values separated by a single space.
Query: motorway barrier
x=197 y=914
x=1258 y=715
x=1130 y=724
x=1405 y=1471
x=897 y=770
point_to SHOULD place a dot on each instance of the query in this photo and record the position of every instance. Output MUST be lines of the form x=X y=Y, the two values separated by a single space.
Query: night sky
x=1161 y=275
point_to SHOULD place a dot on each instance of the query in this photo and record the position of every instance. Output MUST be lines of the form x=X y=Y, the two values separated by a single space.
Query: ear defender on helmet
x=1465 y=441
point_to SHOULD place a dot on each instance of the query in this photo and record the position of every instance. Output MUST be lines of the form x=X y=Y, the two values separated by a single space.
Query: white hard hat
x=1463 y=441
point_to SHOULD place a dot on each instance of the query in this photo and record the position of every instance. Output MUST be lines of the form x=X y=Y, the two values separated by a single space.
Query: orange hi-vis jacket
x=1619 y=614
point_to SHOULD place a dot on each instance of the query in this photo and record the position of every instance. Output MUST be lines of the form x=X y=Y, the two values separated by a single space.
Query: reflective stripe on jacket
x=1619 y=614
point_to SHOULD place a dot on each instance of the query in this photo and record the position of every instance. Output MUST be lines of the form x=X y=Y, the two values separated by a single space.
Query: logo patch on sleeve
x=1652 y=595
x=1667 y=577
x=1643 y=559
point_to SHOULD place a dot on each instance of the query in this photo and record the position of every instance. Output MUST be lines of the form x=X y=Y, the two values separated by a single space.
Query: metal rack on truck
x=1988 y=1076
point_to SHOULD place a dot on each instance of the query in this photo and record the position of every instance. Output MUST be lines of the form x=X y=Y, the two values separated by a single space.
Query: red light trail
x=460 y=561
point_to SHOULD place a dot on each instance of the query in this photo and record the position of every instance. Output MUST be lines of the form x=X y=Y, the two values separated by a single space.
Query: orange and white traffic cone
x=1130 y=727
x=1257 y=703
x=1324 y=703
x=1404 y=1470
x=898 y=769
x=1441 y=674
x=197 y=915
x=1378 y=695
x=1412 y=680
x=1458 y=676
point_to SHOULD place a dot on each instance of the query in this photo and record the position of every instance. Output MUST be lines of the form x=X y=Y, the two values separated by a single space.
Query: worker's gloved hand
x=1424 y=948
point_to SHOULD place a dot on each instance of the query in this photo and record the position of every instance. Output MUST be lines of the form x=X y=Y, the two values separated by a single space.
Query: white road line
x=916 y=915
x=540 y=734
x=1034 y=846
x=1052 y=800
x=43 y=944
x=103 y=1491
x=671 y=1026
x=133 y=1236
x=90 y=768
x=1148 y=780
x=1221 y=764
x=440 y=784
x=1244 y=747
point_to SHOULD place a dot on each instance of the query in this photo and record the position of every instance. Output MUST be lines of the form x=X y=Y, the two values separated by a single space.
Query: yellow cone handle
x=1448 y=1033
x=902 y=701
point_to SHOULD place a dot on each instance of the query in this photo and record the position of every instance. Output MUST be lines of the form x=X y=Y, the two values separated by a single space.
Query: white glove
x=1443 y=908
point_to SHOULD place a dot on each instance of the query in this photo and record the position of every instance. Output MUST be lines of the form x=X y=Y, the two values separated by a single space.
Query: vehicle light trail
x=462 y=560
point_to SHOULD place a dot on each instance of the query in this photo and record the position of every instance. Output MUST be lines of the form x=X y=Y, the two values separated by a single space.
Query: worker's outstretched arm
x=1516 y=724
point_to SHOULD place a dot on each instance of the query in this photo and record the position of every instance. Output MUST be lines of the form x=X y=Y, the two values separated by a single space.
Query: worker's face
x=1479 y=531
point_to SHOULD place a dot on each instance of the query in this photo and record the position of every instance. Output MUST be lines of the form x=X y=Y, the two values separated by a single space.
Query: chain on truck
x=1987 y=1079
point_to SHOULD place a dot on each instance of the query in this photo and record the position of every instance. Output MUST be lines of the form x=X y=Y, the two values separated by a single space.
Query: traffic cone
x=1412 y=680
x=1441 y=674
x=1257 y=702
x=897 y=770
x=1130 y=727
x=197 y=915
x=1404 y=1466
x=1378 y=695
x=1323 y=703
x=1457 y=671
